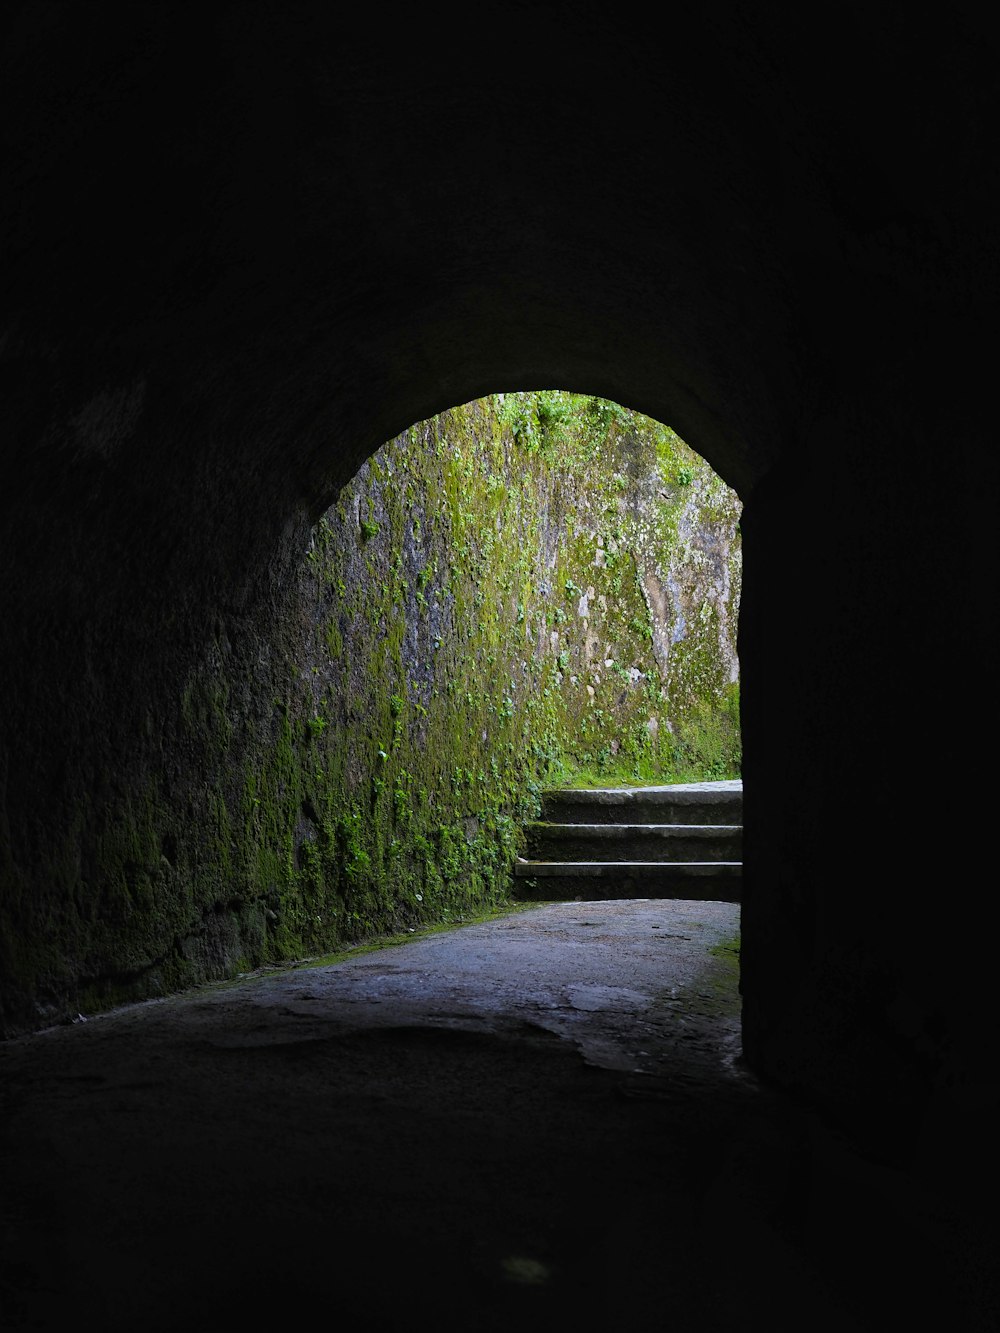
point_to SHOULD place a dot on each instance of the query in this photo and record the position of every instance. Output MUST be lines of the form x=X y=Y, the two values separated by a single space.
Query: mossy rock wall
x=530 y=588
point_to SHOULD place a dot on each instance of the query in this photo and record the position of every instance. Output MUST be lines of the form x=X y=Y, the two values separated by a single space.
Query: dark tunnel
x=246 y=244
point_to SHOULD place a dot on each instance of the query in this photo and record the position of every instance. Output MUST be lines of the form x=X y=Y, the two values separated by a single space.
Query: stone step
x=678 y=803
x=633 y=842
x=583 y=881
x=684 y=840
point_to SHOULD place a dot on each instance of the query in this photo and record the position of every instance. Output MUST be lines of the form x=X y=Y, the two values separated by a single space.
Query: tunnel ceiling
x=303 y=232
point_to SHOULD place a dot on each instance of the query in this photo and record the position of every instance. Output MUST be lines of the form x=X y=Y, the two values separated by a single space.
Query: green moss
x=720 y=986
x=470 y=622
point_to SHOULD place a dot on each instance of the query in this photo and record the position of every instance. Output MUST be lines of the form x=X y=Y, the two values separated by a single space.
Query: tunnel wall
x=862 y=763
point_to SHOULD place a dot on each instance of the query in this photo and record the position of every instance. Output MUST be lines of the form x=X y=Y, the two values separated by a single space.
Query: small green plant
x=401 y=802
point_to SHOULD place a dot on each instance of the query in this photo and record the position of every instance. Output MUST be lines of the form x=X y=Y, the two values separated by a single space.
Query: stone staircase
x=679 y=841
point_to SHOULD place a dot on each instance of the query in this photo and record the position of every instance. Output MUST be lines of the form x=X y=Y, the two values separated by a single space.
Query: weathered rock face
x=482 y=622
x=550 y=561
x=243 y=249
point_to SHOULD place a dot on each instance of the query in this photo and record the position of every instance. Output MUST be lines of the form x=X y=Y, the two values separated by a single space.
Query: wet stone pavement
x=537 y=1122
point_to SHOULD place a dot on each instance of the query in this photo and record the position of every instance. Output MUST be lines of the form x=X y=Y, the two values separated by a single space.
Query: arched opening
x=525 y=592
x=339 y=228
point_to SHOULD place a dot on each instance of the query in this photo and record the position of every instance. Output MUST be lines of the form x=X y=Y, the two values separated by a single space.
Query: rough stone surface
x=538 y=1122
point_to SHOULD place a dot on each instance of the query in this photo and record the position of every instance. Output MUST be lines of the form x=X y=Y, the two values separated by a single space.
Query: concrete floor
x=539 y=1122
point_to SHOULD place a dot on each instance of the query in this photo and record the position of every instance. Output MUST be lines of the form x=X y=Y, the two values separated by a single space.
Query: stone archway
x=249 y=247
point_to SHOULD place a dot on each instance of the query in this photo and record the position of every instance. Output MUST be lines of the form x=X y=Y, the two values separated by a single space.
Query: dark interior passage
x=245 y=245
